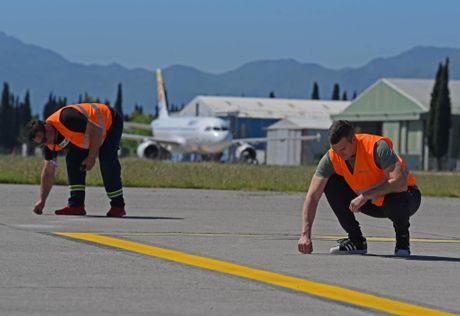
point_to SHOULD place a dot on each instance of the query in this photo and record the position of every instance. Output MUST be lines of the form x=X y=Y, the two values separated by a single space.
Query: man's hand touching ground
x=305 y=245
x=38 y=208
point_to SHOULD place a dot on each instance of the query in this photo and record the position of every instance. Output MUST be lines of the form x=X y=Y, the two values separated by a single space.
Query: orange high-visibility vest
x=366 y=174
x=95 y=112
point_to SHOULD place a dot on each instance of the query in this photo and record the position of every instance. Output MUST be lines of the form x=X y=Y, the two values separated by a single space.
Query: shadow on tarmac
x=139 y=217
x=418 y=258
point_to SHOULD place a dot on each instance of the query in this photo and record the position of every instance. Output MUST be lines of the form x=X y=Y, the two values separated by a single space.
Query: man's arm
x=46 y=183
x=395 y=181
x=95 y=133
x=310 y=205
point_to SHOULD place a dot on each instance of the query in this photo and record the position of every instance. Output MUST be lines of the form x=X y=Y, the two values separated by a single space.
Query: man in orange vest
x=361 y=173
x=86 y=131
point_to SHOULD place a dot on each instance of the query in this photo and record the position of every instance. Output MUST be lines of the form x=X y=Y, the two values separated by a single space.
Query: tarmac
x=209 y=252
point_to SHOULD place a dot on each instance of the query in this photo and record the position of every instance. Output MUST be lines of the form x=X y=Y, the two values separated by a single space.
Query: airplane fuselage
x=204 y=135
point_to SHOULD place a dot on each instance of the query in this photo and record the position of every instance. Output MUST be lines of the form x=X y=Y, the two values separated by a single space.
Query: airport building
x=398 y=108
x=273 y=117
x=297 y=152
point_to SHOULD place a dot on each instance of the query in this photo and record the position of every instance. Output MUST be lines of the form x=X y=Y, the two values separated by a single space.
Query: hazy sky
x=220 y=35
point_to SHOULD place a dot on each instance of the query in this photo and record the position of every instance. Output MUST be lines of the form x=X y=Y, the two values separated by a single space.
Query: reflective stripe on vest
x=100 y=121
x=366 y=174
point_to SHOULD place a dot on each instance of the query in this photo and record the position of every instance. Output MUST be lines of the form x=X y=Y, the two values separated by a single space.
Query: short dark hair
x=33 y=128
x=340 y=129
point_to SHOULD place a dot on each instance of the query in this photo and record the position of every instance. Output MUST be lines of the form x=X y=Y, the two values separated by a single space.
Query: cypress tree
x=61 y=103
x=16 y=120
x=50 y=106
x=26 y=109
x=7 y=131
x=119 y=101
x=355 y=94
x=272 y=95
x=336 y=92
x=440 y=115
x=25 y=115
x=344 y=96
x=432 y=111
x=88 y=99
x=315 y=92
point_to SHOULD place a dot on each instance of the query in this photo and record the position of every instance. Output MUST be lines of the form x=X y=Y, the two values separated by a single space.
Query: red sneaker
x=116 y=212
x=71 y=210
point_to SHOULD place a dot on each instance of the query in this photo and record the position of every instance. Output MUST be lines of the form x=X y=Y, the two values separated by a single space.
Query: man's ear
x=353 y=139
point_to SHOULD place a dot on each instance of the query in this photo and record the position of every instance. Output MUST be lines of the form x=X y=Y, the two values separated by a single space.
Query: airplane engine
x=148 y=149
x=246 y=153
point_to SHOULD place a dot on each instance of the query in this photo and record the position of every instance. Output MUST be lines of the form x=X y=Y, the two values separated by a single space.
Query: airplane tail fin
x=161 y=99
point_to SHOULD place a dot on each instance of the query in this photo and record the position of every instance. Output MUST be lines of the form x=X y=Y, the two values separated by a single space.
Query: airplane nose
x=227 y=137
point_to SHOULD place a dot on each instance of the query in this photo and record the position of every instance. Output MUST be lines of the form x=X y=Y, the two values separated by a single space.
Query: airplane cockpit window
x=216 y=128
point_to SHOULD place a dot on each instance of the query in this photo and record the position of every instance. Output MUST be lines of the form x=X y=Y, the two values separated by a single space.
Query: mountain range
x=42 y=71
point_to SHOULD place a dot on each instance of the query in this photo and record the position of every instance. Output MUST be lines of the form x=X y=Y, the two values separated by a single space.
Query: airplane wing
x=166 y=141
x=137 y=125
x=258 y=140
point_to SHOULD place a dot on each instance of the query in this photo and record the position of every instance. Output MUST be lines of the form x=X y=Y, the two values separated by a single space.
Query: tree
x=344 y=96
x=7 y=129
x=26 y=109
x=315 y=92
x=440 y=115
x=336 y=92
x=119 y=100
x=50 y=106
x=355 y=94
x=24 y=116
x=61 y=103
x=272 y=95
x=87 y=98
x=432 y=111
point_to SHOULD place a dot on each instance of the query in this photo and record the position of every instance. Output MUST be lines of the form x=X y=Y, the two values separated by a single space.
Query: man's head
x=342 y=139
x=39 y=132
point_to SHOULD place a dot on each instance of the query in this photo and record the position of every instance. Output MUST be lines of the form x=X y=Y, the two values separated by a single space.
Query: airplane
x=206 y=136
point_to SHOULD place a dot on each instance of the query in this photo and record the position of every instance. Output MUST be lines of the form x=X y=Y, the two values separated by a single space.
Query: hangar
x=398 y=108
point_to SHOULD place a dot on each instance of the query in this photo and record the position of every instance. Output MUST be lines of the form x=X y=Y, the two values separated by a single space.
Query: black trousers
x=108 y=162
x=398 y=207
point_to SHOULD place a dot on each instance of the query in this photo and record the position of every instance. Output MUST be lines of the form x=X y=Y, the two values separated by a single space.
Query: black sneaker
x=402 y=248
x=349 y=247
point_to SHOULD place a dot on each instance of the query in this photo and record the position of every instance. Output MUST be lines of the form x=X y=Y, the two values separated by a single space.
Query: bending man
x=87 y=131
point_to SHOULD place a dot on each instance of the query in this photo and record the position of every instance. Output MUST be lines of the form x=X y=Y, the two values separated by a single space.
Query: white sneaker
x=348 y=247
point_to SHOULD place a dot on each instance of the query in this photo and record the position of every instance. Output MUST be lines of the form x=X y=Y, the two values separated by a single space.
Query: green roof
x=396 y=99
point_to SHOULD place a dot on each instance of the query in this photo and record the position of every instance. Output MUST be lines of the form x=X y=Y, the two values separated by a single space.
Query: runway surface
x=205 y=252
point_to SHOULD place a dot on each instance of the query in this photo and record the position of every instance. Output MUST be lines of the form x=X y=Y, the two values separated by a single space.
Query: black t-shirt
x=73 y=120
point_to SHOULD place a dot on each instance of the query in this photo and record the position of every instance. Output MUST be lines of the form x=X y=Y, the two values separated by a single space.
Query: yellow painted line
x=317 y=237
x=335 y=293
x=191 y=234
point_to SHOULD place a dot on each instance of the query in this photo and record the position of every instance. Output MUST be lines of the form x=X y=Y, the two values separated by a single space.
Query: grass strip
x=166 y=174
